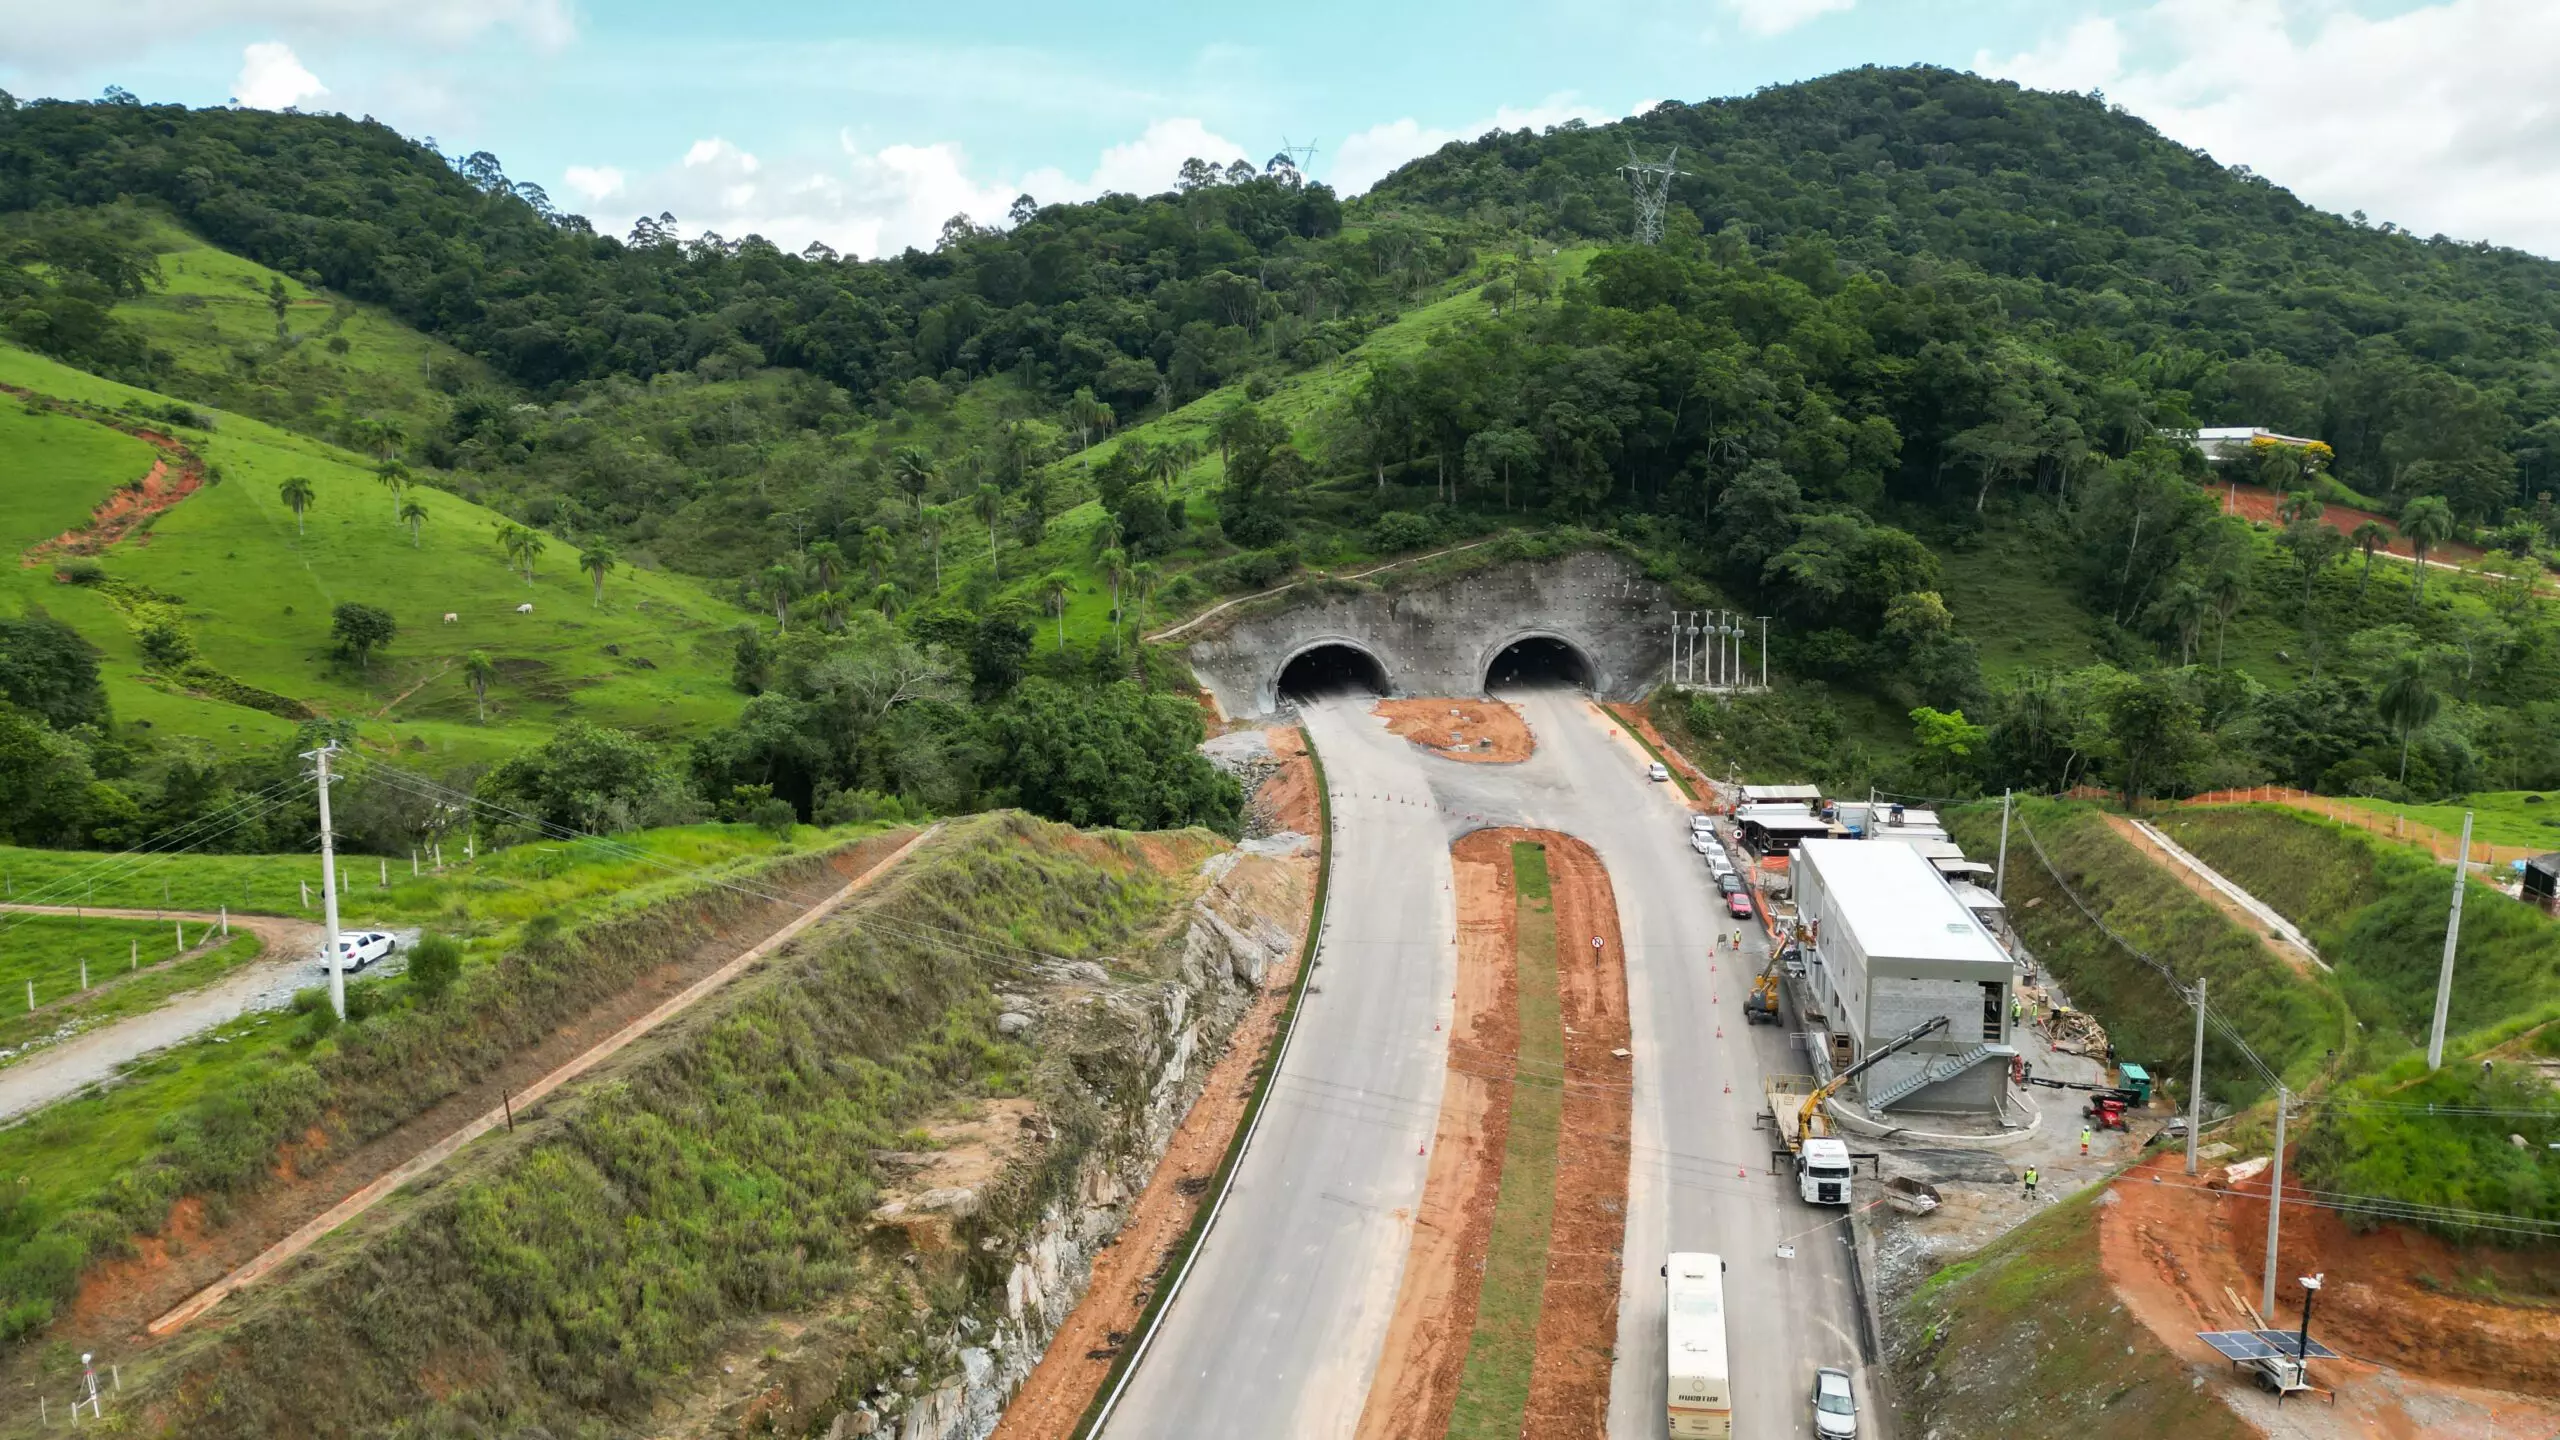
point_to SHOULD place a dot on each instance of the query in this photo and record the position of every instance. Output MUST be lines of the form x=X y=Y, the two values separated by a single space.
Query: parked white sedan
x=360 y=948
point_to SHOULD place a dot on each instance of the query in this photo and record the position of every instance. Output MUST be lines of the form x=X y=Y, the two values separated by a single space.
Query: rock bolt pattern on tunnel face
x=1539 y=660
x=1333 y=669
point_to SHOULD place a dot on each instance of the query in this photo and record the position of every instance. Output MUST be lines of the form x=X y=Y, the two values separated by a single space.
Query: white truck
x=1822 y=1171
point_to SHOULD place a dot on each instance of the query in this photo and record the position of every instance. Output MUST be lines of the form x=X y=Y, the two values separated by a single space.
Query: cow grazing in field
x=525 y=609
x=452 y=619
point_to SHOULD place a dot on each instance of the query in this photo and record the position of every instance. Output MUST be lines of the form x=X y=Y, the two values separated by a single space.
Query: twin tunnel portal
x=1331 y=667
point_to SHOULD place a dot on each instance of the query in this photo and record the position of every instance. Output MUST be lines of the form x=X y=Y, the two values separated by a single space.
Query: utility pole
x=2000 y=872
x=2275 y=1209
x=328 y=886
x=2195 y=1081
x=2452 y=937
x=1764 y=652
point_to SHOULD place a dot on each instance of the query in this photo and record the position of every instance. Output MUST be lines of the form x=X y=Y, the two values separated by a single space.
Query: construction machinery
x=2109 y=1105
x=1795 y=1111
x=1760 y=1007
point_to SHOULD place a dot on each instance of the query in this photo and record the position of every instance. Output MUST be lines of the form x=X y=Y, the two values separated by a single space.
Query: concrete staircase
x=1944 y=1067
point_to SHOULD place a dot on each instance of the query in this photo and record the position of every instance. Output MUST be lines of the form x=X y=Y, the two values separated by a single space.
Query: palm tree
x=521 y=543
x=477 y=671
x=2425 y=522
x=990 y=508
x=826 y=561
x=1115 y=568
x=779 y=583
x=1053 y=594
x=913 y=470
x=2297 y=506
x=935 y=520
x=412 y=514
x=598 y=561
x=830 y=607
x=877 y=552
x=296 y=492
x=2227 y=588
x=391 y=475
x=1142 y=578
x=2369 y=537
x=2186 y=607
x=2407 y=702
x=887 y=599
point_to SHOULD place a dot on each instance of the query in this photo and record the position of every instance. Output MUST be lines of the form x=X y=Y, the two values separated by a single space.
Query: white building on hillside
x=1892 y=944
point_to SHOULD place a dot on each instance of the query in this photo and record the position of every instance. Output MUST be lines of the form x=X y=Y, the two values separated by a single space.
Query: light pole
x=1764 y=652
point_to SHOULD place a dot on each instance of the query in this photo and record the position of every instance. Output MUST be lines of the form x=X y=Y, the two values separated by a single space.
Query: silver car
x=1835 y=1406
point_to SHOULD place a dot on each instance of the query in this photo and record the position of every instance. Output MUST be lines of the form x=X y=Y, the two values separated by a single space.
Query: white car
x=1719 y=862
x=1702 y=824
x=1835 y=1407
x=1705 y=844
x=360 y=948
x=1657 y=772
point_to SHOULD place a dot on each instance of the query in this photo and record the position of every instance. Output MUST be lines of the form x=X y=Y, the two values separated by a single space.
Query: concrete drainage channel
x=1162 y=1305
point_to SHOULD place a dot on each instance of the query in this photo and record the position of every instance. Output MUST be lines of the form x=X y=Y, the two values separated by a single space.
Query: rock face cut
x=1150 y=1052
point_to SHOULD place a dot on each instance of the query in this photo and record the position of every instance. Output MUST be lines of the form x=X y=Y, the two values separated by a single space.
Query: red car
x=1738 y=905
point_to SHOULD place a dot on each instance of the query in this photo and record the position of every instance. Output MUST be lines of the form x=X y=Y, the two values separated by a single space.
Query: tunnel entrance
x=1331 y=669
x=1539 y=660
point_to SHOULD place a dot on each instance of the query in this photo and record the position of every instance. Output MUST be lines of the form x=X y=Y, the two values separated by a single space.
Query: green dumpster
x=2137 y=1080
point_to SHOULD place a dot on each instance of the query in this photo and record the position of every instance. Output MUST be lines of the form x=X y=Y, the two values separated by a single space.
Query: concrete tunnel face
x=1535 y=660
x=1332 y=667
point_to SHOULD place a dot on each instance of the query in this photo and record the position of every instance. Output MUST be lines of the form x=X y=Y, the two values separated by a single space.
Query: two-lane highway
x=1278 y=1330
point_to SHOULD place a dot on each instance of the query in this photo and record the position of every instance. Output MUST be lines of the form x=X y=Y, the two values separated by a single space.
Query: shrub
x=1399 y=530
x=434 y=964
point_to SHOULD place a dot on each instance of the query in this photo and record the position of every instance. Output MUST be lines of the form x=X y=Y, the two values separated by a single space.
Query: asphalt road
x=1788 y=1315
x=1279 y=1328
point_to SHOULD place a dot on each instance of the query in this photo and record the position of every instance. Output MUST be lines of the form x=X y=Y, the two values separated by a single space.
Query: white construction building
x=1890 y=944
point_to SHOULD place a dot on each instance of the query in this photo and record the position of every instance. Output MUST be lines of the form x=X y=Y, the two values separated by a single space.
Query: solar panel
x=2284 y=1341
x=2241 y=1345
x=2247 y=1345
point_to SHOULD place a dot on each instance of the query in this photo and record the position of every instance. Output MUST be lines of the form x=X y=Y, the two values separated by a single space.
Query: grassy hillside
x=256 y=594
x=547 y=931
x=572 y=1275
x=2292 y=1019
x=2529 y=818
x=2027 y=1339
x=325 y=367
x=2377 y=911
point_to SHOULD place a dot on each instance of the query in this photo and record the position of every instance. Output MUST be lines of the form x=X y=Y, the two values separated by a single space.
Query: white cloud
x=271 y=78
x=1368 y=157
x=875 y=202
x=2441 y=119
x=1777 y=17
x=596 y=182
x=66 y=35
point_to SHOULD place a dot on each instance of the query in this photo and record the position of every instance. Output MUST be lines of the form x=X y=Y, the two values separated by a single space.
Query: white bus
x=1701 y=1392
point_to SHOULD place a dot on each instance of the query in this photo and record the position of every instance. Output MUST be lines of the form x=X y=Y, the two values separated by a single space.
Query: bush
x=774 y=817
x=434 y=965
x=80 y=570
x=1399 y=530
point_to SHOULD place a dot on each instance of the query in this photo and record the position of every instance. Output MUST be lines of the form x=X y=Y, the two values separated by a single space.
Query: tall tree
x=2408 y=700
x=413 y=515
x=2371 y=537
x=296 y=493
x=598 y=561
x=990 y=507
x=2425 y=523
x=477 y=671
x=1054 y=590
x=913 y=469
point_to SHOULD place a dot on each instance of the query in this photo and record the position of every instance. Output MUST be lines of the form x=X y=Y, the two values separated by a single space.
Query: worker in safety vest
x=2084 y=1139
x=2031 y=1182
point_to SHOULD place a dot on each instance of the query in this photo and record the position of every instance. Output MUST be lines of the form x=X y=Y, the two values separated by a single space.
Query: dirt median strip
x=1479 y=732
x=1578 y=1320
x=437 y=1153
x=1574 y=1322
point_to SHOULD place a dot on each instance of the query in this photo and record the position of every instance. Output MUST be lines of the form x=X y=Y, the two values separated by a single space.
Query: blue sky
x=865 y=125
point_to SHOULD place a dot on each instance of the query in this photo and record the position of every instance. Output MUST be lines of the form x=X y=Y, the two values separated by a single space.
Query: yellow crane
x=1809 y=1116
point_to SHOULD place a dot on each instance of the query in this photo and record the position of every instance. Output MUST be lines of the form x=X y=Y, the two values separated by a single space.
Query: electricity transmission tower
x=1650 y=181
x=1300 y=158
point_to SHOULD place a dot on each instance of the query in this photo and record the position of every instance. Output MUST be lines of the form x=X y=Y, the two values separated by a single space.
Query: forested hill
x=2208 y=286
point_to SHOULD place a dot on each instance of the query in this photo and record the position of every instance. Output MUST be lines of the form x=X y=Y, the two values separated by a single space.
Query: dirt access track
x=1416 y=1387
x=2300 y=959
x=2420 y=1364
x=172 y=478
x=310 y=1182
x=1481 y=732
x=1053 y=1400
